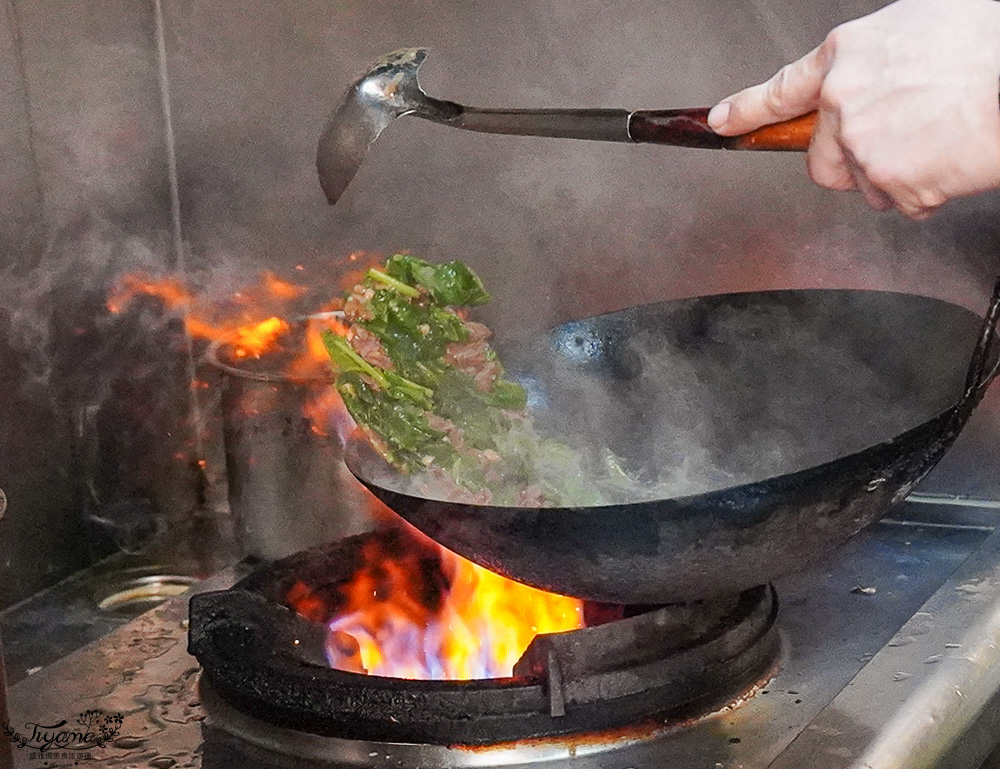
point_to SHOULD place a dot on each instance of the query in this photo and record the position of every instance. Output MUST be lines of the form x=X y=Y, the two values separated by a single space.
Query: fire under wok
x=774 y=426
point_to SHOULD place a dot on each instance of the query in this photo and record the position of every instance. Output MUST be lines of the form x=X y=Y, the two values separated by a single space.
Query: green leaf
x=345 y=359
x=457 y=398
x=450 y=283
x=507 y=395
x=396 y=285
x=412 y=332
x=399 y=422
x=455 y=284
x=402 y=267
x=401 y=388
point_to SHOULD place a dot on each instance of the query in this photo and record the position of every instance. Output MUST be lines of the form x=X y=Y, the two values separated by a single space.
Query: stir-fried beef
x=370 y=348
x=472 y=358
x=356 y=305
x=451 y=431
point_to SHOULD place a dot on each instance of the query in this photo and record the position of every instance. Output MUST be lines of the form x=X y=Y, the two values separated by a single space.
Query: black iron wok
x=784 y=421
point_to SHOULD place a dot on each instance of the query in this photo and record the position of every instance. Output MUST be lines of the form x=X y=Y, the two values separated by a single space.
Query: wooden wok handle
x=689 y=128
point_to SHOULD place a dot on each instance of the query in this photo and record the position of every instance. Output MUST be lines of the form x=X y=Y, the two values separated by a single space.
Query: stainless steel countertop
x=888 y=679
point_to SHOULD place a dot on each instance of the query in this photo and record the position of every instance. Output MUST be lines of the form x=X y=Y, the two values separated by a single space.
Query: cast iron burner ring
x=670 y=662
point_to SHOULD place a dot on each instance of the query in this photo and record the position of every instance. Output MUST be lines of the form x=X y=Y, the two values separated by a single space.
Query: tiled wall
x=558 y=229
x=33 y=469
x=88 y=399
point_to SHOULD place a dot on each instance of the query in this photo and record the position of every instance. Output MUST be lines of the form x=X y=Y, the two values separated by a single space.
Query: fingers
x=873 y=196
x=916 y=213
x=827 y=162
x=888 y=115
x=793 y=91
x=832 y=166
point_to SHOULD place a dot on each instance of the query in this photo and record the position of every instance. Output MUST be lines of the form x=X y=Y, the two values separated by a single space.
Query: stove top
x=890 y=658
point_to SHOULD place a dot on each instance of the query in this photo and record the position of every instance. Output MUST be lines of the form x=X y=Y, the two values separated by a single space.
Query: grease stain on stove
x=627 y=735
x=129 y=743
x=573 y=744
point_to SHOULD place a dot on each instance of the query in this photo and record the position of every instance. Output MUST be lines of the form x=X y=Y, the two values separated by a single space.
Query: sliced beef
x=369 y=347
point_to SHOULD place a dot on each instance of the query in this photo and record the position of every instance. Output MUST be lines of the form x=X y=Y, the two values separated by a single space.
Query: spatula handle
x=689 y=128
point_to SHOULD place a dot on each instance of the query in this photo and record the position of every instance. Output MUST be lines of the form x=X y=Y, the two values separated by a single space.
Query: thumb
x=793 y=91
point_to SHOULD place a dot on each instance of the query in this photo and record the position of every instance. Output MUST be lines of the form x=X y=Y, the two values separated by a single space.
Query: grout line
x=177 y=227
x=17 y=36
x=934 y=525
x=176 y=223
x=953 y=501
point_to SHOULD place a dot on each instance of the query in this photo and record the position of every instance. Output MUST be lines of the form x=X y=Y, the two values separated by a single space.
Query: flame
x=254 y=341
x=313 y=361
x=422 y=612
x=252 y=322
x=281 y=289
x=170 y=290
x=392 y=618
x=249 y=321
x=253 y=319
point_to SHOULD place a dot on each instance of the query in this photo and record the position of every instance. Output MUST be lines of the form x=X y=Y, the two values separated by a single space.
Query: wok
x=779 y=423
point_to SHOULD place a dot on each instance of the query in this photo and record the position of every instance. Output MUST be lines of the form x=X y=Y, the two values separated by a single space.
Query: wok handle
x=689 y=128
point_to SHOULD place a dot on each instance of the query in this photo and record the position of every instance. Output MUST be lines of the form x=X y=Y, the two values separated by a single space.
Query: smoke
x=118 y=384
x=558 y=230
x=697 y=396
x=56 y=308
x=706 y=395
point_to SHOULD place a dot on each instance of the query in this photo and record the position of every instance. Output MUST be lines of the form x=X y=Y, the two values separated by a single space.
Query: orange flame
x=254 y=341
x=421 y=612
x=249 y=320
x=480 y=624
x=281 y=289
x=250 y=324
x=169 y=290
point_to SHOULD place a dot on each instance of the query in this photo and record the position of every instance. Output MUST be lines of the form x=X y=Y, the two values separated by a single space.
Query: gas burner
x=630 y=665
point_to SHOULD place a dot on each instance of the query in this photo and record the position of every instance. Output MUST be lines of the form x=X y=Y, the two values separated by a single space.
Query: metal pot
x=288 y=486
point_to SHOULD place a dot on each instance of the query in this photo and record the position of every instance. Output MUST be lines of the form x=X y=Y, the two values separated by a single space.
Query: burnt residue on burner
x=670 y=662
x=314 y=582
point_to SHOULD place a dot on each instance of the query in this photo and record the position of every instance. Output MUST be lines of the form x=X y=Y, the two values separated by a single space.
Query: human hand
x=908 y=101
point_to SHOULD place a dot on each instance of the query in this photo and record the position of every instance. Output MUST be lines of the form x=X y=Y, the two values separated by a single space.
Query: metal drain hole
x=142 y=593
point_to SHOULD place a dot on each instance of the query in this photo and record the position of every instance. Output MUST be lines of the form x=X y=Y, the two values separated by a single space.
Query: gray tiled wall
x=20 y=194
x=38 y=537
x=95 y=110
x=558 y=229
x=88 y=400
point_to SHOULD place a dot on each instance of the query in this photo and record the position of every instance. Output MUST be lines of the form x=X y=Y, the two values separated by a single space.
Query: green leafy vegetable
x=451 y=283
x=411 y=331
x=400 y=423
x=430 y=391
